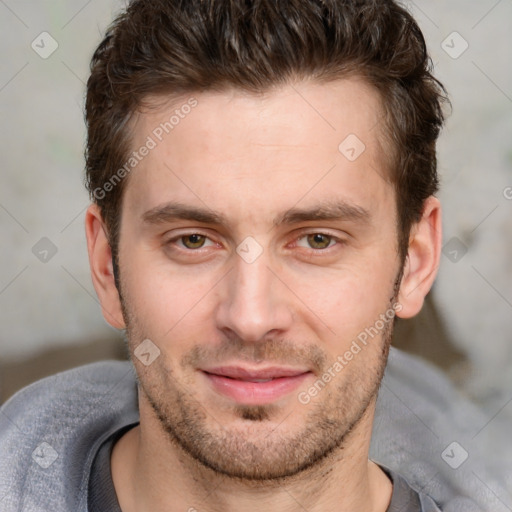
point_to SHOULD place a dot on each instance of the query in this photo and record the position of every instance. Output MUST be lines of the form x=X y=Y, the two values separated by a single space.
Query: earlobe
x=102 y=272
x=422 y=259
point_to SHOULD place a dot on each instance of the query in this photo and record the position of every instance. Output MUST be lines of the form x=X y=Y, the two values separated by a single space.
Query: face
x=256 y=254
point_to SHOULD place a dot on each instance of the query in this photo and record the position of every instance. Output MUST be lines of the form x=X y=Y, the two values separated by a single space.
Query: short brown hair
x=177 y=47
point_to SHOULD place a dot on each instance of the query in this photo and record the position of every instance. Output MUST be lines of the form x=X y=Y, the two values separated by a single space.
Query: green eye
x=194 y=241
x=319 y=240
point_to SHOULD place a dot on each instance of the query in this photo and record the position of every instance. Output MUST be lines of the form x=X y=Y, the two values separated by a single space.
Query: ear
x=102 y=273
x=422 y=259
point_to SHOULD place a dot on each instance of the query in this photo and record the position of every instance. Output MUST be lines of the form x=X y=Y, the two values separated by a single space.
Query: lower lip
x=254 y=393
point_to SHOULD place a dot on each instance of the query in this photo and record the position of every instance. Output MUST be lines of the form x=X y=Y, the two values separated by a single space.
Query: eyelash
x=312 y=251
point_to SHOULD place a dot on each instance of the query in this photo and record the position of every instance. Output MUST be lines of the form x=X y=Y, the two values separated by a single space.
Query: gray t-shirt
x=52 y=431
x=102 y=496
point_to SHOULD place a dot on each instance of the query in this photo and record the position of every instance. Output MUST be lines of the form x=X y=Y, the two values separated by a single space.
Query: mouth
x=255 y=386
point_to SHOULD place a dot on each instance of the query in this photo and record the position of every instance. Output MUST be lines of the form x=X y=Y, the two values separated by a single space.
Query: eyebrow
x=169 y=212
x=325 y=211
x=329 y=210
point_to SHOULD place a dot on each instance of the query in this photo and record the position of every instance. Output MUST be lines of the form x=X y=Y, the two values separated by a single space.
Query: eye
x=194 y=241
x=316 y=241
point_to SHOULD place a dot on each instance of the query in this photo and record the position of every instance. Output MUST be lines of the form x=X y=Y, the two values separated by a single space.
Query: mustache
x=271 y=350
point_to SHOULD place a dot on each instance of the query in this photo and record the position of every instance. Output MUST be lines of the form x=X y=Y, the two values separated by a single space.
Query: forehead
x=314 y=110
x=299 y=140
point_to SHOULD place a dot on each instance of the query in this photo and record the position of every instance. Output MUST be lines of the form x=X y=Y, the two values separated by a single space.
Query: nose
x=254 y=302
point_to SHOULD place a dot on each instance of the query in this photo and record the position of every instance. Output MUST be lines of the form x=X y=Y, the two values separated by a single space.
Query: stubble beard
x=256 y=447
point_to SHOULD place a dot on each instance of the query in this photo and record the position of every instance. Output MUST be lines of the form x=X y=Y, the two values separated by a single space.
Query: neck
x=153 y=473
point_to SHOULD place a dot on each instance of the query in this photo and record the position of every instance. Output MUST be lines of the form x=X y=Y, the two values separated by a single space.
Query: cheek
x=347 y=299
x=165 y=300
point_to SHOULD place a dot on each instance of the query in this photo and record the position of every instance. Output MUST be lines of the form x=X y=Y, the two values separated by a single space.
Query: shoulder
x=424 y=429
x=50 y=429
x=405 y=498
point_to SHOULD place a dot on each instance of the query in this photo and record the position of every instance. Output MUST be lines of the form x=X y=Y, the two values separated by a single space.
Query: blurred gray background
x=49 y=315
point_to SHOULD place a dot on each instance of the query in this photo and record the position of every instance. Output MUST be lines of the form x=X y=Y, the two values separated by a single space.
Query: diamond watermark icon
x=454 y=455
x=454 y=250
x=44 y=455
x=44 y=45
x=454 y=45
x=249 y=250
x=44 y=250
x=146 y=352
x=352 y=147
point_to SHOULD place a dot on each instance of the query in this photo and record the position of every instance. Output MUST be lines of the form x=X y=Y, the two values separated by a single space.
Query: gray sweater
x=51 y=431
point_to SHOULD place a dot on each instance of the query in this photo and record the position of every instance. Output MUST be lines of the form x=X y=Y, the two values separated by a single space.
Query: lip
x=242 y=385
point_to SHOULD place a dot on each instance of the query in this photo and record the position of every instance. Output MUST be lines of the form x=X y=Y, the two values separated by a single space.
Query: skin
x=251 y=159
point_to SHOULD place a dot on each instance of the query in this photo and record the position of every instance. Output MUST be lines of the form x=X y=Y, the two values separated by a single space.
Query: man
x=262 y=176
